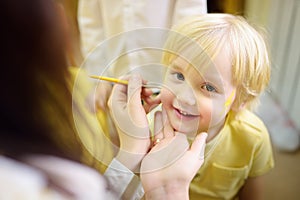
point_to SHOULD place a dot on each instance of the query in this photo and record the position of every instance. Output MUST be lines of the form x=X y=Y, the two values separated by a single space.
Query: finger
x=118 y=94
x=119 y=91
x=158 y=126
x=147 y=92
x=134 y=102
x=134 y=89
x=151 y=100
x=167 y=128
x=198 y=145
x=149 y=107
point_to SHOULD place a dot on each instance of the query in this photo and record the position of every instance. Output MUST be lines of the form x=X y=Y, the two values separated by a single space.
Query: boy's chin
x=188 y=133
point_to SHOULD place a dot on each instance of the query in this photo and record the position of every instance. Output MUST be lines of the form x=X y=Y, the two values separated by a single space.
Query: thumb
x=134 y=90
x=134 y=102
x=198 y=145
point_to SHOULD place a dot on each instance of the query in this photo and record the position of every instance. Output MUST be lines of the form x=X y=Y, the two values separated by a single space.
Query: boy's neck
x=214 y=131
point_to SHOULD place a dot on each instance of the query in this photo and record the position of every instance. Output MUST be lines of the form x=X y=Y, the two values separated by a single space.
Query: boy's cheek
x=218 y=112
x=165 y=95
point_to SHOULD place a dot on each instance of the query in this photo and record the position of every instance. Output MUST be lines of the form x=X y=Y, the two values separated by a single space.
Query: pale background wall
x=282 y=21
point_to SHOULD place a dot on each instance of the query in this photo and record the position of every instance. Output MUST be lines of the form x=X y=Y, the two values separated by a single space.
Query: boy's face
x=198 y=99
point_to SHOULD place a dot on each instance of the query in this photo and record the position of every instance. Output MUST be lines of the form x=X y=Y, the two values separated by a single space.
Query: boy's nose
x=186 y=96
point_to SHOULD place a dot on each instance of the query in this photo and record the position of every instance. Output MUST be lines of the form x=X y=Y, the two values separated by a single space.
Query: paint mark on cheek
x=227 y=103
x=229 y=100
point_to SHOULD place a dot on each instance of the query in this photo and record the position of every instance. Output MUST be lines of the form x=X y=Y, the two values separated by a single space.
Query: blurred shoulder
x=31 y=179
x=249 y=123
x=18 y=180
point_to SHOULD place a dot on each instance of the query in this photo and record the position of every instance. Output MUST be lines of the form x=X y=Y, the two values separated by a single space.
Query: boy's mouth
x=184 y=113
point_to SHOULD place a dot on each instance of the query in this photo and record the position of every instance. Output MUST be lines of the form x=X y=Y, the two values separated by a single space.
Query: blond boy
x=217 y=66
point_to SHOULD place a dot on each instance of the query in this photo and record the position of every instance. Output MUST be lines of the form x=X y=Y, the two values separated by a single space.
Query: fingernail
x=204 y=136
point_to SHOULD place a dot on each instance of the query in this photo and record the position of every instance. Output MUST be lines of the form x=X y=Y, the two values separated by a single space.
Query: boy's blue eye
x=180 y=76
x=209 y=88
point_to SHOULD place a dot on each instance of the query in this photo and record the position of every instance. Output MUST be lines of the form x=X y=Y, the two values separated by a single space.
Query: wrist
x=169 y=191
x=130 y=160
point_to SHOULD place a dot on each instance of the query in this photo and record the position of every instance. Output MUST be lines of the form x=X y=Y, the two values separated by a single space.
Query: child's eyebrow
x=177 y=66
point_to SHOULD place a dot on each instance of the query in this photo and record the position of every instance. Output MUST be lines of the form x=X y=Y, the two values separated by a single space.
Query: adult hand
x=168 y=169
x=98 y=98
x=131 y=122
x=150 y=101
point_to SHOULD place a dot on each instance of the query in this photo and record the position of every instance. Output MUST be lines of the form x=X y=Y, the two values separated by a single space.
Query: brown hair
x=33 y=79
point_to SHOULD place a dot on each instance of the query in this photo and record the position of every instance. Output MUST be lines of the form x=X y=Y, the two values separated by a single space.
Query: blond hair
x=225 y=32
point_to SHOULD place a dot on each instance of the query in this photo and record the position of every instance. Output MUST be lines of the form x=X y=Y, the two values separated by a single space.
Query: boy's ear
x=242 y=106
x=236 y=108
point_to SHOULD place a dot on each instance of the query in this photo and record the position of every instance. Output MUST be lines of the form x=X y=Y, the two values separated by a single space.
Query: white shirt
x=119 y=25
x=123 y=182
x=30 y=180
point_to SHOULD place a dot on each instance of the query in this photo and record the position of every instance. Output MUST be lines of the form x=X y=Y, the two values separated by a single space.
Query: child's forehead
x=217 y=70
x=180 y=63
x=205 y=67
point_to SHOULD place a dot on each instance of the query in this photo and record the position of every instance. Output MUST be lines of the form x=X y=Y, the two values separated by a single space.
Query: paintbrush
x=124 y=82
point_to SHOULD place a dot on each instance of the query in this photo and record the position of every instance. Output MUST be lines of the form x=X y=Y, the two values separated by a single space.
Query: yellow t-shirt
x=242 y=149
